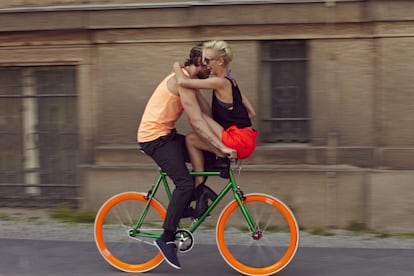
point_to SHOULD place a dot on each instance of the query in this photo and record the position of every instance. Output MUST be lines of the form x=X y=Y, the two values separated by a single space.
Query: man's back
x=163 y=109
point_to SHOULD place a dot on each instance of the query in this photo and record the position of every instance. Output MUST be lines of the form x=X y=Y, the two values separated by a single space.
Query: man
x=158 y=138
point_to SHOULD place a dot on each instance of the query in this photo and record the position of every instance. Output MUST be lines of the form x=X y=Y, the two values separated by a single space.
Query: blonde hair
x=222 y=47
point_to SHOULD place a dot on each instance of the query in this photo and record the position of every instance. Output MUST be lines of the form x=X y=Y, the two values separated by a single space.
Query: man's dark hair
x=195 y=54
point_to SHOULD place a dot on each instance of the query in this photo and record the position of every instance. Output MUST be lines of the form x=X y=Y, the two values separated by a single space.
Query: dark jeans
x=170 y=154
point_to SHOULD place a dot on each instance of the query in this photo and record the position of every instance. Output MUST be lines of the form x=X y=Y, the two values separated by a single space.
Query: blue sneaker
x=169 y=251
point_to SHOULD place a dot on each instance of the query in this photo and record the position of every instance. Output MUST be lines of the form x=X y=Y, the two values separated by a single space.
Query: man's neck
x=188 y=72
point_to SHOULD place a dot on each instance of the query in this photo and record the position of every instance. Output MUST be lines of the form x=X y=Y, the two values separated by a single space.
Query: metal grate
x=38 y=145
x=285 y=115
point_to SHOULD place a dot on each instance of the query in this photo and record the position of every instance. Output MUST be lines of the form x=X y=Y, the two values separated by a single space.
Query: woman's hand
x=252 y=114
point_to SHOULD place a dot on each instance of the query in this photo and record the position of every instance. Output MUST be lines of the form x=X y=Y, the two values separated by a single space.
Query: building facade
x=331 y=81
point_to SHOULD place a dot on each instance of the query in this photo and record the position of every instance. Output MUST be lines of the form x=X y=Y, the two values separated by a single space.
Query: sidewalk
x=36 y=224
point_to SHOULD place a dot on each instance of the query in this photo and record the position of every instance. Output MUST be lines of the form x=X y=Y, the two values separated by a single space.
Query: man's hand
x=230 y=153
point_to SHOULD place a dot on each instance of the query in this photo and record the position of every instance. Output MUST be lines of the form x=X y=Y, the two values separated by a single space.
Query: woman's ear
x=220 y=61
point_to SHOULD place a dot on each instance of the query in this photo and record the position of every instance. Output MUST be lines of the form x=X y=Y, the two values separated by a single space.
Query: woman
x=230 y=108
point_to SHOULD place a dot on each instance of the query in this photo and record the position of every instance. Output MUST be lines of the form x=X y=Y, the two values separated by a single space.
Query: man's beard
x=203 y=75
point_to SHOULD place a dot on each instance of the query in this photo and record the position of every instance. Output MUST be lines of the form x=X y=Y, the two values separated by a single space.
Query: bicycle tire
x=113 y=221
x=264 y=255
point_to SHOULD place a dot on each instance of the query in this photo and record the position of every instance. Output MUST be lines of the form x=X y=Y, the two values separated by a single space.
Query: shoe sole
x=165 y=258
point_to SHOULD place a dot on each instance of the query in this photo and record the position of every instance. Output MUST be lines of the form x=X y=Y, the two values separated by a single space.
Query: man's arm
x=204 y=105
x=179 y=75
x=200 y=126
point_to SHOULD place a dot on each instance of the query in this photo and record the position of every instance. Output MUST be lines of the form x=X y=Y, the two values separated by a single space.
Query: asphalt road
x=20 y=257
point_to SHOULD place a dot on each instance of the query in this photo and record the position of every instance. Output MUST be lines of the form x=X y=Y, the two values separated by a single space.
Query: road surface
x=20 y=257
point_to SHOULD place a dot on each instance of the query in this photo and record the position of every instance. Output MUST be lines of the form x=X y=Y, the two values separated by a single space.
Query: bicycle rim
x=266 y=254
x=113 y=221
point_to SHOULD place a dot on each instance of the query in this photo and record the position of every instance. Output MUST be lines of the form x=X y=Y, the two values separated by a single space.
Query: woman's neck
x=223 y=72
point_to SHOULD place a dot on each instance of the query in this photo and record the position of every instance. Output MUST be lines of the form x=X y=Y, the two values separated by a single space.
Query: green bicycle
x=256 y=234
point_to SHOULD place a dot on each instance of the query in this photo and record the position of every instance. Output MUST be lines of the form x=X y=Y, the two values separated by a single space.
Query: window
x=284 y=102
x=39 y=137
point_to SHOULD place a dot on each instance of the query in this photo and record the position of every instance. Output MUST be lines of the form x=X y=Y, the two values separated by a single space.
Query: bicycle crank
x=184 y=239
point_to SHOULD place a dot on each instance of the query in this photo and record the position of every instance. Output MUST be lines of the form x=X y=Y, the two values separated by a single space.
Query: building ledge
x=149 y=5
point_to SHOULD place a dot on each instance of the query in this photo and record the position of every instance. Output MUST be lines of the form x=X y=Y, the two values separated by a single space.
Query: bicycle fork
x=240 y=198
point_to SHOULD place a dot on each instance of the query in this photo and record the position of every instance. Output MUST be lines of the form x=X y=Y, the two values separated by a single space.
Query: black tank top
x=230 y=114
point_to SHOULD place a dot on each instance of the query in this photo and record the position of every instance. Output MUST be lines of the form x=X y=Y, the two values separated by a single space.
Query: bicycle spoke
x=113 y=224
x=267 y=250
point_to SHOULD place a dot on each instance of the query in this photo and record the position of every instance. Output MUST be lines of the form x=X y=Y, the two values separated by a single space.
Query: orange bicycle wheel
x=270 y=248
x=115 y=219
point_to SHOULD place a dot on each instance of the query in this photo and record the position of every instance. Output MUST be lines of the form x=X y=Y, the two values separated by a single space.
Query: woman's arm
x=249 y=107
x=184 y=81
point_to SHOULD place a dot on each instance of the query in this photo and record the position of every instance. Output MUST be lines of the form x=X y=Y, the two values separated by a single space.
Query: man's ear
x=199 y=61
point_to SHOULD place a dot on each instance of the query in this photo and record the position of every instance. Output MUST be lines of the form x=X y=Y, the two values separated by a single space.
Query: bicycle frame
x=231 y=185
x=272 y=218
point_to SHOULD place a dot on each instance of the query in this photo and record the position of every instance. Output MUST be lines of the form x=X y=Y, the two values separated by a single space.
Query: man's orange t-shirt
x=162 y=111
